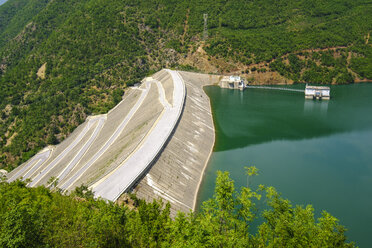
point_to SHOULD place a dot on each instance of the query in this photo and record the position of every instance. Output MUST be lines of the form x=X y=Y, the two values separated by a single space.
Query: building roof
x=231 y=79
x=309 y=87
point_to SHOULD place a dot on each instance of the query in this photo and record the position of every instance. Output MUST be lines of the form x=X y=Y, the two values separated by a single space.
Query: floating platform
x=317 y=92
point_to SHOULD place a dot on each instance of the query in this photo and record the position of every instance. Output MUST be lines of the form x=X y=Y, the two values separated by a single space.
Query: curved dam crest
x=156 y=142
x=124 y=176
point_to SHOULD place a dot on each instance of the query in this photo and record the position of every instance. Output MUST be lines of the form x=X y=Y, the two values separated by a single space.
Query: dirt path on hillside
x=185 y=27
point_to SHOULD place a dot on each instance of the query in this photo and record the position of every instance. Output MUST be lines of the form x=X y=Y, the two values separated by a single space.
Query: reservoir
x=313 y=152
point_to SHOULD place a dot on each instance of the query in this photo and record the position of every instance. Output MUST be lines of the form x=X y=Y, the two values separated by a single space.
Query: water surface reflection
x=257 y=116
x=313 y=152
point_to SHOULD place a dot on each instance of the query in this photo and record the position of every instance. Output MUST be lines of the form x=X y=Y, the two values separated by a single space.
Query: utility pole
x=205 y=33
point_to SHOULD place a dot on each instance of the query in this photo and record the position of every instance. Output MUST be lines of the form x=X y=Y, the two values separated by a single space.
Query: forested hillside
x=36 y=217
x=63 y=60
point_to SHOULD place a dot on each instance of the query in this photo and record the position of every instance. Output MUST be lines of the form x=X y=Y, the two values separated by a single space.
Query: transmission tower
x=205 y=33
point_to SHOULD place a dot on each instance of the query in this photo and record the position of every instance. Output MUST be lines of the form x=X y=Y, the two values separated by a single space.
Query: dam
x=156 y=143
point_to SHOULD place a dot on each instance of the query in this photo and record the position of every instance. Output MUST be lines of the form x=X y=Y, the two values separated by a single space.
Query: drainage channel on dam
x=58 y=159
x=121 y=179
x=69 y=162
x=32 y=165
x=106 y=146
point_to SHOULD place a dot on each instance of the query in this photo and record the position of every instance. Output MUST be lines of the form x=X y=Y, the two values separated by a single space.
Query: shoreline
x=197 y=191
x=208 y=158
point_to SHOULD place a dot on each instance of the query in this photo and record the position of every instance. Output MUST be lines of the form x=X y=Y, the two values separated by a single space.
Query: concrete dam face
x=156 y=143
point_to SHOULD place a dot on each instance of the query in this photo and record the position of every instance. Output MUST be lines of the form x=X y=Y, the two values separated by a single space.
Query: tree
x=19 y=227
x=53 y=182
x=52 y=139
x=229 y=215
x=38 y=217
x=287 y=226
x=84 y=192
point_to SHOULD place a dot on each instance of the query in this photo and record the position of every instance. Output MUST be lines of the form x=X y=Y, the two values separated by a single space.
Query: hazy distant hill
x=63 y=60
x=2 y=1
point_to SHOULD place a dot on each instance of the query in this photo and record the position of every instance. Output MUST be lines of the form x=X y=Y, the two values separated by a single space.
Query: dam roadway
x=123 y=177
x=155 y=142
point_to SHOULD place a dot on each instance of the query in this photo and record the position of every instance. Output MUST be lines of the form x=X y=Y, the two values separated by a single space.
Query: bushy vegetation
x=323 y=67
x=92 y=50
x=37 y=217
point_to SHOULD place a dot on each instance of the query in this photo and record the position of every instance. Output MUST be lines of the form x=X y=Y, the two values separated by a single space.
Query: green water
x=313 y=152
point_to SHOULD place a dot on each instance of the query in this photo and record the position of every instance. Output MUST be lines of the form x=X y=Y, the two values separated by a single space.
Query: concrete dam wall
x=155 y=142
x=176 y=175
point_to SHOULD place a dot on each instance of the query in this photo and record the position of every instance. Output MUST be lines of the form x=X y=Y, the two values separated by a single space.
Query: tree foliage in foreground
x=37 y=217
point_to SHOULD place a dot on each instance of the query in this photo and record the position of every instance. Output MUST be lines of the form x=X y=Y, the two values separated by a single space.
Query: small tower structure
x=232 y=82
x=205 y=33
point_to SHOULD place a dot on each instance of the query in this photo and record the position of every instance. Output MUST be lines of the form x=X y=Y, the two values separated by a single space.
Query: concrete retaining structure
x=156 y=143
x=178 y=171
x=123 y=178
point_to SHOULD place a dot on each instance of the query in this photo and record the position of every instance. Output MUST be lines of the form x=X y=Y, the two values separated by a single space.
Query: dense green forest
x=63 y=60
x=37 y=217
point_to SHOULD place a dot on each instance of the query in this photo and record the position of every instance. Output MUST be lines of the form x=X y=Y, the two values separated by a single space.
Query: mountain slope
x=15 y=15
x=63 y=60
